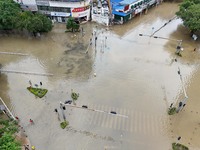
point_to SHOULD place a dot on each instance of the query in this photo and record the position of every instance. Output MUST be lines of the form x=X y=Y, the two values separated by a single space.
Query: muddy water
x=135 y=76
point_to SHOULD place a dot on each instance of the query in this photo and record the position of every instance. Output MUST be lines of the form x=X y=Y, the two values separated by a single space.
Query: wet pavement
x=135 y=76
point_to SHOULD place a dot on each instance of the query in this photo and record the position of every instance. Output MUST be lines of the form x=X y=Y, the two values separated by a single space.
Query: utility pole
x=179 y=47
x=183 y=102
x=7 y=109
x=62 y=107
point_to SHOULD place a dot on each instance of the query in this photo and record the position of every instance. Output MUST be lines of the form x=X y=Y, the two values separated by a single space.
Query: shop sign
x=81 y=14
x=80 y=9
x=60 y=14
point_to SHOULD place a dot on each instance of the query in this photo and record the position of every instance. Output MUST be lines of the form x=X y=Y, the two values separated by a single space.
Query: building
x=60 y=10
x=124 y=10
x=100 y=12
x=29 y=5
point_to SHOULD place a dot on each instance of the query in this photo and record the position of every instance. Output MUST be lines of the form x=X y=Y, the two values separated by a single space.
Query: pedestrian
x=17 y=118
x=90 y=41
x=31 y=121
x=40 y=83
x=56 y=110
x=194 y=49
x=30 y=82
x=180 y=104
x=171 y=105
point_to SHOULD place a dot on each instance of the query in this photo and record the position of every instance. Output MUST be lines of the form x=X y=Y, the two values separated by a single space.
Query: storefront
x=60 y=16
x=82 y=13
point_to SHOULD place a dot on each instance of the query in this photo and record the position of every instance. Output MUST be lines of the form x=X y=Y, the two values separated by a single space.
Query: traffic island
x=38 y=91
x=172 y=111
x=178 y=146
x=64 y=124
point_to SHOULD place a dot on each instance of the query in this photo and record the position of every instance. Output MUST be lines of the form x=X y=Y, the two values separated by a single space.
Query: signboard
x=60 y=14
x=80 y=9
x=80 y=14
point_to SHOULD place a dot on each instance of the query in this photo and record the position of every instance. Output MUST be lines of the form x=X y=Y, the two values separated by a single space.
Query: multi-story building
x=29 y=5
x=60 y=10
x=124 y=10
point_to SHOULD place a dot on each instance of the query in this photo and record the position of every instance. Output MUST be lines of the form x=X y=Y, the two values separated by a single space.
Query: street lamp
x=183 y=102
x=178 y=48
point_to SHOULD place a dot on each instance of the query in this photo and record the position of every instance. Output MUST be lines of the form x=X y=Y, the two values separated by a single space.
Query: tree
x=34 y=23
x=9 y=11
x=72 y=25
x=12 y=17
x=189 y=12
x=7 y=142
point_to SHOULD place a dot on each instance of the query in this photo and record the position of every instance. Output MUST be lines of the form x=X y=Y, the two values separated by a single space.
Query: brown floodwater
x=135 y=76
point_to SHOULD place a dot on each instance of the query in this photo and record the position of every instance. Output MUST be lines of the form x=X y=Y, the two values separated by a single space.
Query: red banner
x=80 y=9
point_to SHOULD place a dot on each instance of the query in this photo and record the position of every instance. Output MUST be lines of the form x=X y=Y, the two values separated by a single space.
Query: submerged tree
x=72 y=25
x=189 y=12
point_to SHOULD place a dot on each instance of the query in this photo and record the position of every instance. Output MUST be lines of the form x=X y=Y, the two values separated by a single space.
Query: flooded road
x=135 y=76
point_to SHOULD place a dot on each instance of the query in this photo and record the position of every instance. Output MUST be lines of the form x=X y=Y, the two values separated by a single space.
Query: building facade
x=60 y=10
x=29 y=5
x=124 y=10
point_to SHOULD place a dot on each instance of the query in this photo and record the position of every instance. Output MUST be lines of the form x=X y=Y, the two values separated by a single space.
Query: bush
x=74 y=96
x=178 y=146
x=38 y=91
x=172 y=111
x=64 y=124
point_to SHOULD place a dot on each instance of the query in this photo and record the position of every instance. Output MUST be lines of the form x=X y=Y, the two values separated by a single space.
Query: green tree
x=72 y=25
x=189 y=12
x=46 y=23
x=7 y=142
x=9 y=11
x=34 y=22
x=12 y=17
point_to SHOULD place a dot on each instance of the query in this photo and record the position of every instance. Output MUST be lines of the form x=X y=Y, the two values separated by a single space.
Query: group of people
x=35 y=84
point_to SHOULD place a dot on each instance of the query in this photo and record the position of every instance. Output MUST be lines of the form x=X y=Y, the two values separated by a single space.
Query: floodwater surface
x=136 y=76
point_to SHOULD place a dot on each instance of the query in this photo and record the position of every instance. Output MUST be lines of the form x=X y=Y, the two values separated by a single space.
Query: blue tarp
x=117 y=4
x=115 y=1
x=127 y=2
